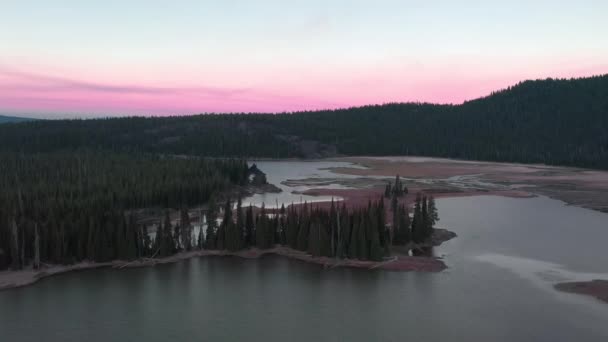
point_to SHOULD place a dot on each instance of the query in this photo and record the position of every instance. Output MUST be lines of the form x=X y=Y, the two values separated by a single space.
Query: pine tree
x=249 y=227
x=353 y=244
x=240 y=225
x=303 y=232
x=167 y=243
x=417 y=222
x=314 y=247
x=186 y=230
x=177 y=234
x=362 y=243
x=261 y=231
x=211 y=233
x=397 y=190
x=282 y=226
x=433 y=213
x=402 y=234
x=376 y=252
x=388 y=191
x=426 y=219
x=146 y=241
x=394 y=209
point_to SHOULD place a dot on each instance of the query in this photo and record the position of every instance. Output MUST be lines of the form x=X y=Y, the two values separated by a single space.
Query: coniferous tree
x=352 y=245
x=249 y=227
x=397 y=190
x=433 y=213
x=417 y=222
x=304 y=230
x=262 y=229
x=388 y=191
x=147 y=243
x=186 y=230
x=283 y=223
x=402 y=233
x=314 y=240
x=77 y=205
x=177 y=234
x=211 y=233
x=426 y=220
x=200 y=240
x=362 y=244
x=167 y=243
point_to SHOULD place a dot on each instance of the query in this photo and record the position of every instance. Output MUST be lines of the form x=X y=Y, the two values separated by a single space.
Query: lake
x=498 y=287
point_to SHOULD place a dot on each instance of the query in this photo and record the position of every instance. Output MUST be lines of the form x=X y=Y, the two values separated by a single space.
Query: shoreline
x=596 y=288
x=580 y=187
x=397 y=262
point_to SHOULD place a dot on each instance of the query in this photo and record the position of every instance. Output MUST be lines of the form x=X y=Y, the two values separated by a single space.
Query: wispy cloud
x=38 y=92
x=19 y=80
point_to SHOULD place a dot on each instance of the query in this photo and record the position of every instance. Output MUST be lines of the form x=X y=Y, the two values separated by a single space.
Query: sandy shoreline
x=595 y=288
x=403 y=263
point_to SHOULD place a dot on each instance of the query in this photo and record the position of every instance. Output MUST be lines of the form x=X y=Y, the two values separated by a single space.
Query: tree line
x=360 y=233
x=335 y=232
x=67 y=207
x=552 y=121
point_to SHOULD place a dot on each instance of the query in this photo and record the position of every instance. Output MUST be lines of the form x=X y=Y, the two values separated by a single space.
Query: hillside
x=549 y=121
x=7 y=119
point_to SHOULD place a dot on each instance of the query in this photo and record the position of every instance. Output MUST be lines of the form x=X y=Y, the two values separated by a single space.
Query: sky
x=84 y=58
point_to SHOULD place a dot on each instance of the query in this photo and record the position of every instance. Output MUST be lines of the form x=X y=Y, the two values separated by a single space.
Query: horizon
x=60 y=116
x=148 y=59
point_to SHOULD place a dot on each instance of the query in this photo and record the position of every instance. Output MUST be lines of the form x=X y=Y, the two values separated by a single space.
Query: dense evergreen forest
x=7 y=119
x=68 y=207
x=553 y=121
x=336 y=232
x=62 y=208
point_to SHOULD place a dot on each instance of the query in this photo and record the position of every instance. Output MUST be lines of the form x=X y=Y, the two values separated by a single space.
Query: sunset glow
x=82 y=59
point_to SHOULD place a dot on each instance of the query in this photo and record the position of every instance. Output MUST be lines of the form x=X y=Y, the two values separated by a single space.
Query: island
x=596 y=288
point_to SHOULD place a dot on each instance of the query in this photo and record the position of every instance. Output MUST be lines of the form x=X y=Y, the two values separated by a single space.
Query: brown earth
x=575 y=186
x=595 y=288
x=358 y=198
x=13 y=279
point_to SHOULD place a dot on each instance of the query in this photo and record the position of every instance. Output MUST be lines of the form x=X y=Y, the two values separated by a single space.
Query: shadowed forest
x=553 y=121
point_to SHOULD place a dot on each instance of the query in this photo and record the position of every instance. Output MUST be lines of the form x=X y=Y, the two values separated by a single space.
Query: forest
x=552 y=121
x=61 y=208
x=341 y=232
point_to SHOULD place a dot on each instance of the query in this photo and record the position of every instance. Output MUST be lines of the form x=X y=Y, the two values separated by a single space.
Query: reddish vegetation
x=585 y=188
x=595 y=288
x=357 y=198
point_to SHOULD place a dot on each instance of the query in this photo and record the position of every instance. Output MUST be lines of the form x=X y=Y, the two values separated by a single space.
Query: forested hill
x=545 y=121
x=7 y=119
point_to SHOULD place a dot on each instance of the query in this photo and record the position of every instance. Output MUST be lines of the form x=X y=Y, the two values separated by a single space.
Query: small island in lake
x=595 y=288
x=84 y=210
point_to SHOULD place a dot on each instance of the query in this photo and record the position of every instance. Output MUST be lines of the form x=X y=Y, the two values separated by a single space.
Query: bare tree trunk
x=339 y=244
x=15 y=245
x=36 y=247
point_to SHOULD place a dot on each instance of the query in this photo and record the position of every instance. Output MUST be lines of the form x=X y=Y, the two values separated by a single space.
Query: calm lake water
x=498 y=287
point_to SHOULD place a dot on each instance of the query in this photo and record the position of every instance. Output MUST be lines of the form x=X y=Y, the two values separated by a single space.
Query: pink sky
x=124 y=93
x=137 y=57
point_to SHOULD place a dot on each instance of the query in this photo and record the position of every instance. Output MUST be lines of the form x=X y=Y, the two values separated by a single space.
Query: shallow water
x=278 y=172
x=498 y=287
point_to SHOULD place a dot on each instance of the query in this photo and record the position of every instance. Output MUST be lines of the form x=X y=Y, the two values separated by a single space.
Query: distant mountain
x=552 y=121
x=7 y=119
